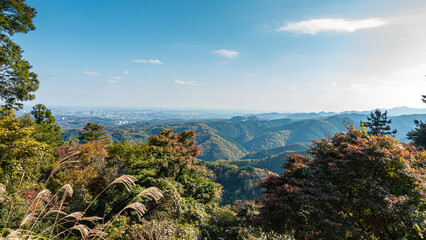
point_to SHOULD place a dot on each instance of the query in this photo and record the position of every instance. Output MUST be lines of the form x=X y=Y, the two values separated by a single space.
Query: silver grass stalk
x=44 y=195
x=68 y=191
x=139 y=208
x=83 y=229
x=152 y=192
x=29 y=218
x=79 y=216
x=92 y=219
x=136 y=206
x=2 y=189
x=75 y=215
x=52 y=211
x=63 y=163
x=95 y=232
x=2 y=193
x=127 y=180
x=14 y=234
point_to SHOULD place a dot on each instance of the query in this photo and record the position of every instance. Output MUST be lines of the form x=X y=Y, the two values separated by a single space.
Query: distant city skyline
x=245 y=55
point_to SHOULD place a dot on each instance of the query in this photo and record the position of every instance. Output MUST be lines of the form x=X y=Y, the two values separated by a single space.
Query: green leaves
x=19 y=152
x=16 y=16
x=17 y=82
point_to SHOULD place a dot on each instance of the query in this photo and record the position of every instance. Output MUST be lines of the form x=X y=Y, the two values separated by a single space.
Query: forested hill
x=247 y=137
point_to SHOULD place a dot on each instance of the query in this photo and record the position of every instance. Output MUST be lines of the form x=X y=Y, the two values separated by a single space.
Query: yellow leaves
x=20 y=152
x=76 y=176
x=92 y=151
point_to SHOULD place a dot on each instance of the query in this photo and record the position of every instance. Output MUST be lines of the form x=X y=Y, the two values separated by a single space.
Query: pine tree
x=418 y=135
x=93 y=132
x=378 y=124
x=46 y=129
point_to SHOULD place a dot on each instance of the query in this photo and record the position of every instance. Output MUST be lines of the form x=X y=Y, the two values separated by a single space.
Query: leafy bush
x=354 y=186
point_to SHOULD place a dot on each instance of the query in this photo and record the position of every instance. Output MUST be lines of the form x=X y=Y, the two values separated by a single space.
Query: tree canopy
x=46 y=129
x=354 y=186
x=17 y=82
x=93 y=132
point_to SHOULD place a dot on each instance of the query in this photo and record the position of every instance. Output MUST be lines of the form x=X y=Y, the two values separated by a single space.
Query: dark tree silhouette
x=378 y=124
x=418 y=135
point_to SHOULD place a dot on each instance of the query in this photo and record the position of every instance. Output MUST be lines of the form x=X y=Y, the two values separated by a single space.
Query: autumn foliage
x=353 y=186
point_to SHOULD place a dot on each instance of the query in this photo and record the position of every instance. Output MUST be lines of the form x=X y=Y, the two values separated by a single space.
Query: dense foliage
x=239 y=183
x=354 y=186
x=17 y=82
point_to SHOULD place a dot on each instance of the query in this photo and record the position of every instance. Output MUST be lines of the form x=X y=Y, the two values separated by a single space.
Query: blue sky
x=261 y=55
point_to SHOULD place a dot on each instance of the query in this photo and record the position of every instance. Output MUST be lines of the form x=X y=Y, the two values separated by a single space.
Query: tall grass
x=45 y=217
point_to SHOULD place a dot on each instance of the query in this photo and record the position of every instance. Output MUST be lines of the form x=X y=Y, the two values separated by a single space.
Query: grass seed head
x=138 y=207
x=127 y=180
x=152 y=192
x=44 y=195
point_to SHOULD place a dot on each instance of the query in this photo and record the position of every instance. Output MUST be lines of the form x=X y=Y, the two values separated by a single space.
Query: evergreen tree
x=378 y=124
x=42 y=114
x=418 y=135
x=17 y=82
x=93 y=132
x=46 y=129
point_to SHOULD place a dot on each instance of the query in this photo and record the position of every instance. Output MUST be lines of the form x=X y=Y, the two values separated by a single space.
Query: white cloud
x=252 y=75
x=108 y=80
x=152 y=61
x=116 y=78
x=187 y=83
x=315 y=26
x=126 y=72
x=91 y=73
x=226 y=53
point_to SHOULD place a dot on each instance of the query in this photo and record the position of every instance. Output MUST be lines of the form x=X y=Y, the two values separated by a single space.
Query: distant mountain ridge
x=396 y=111
x=251 y=140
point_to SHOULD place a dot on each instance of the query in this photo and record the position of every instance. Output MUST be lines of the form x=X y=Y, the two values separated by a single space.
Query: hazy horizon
x=28 y=107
